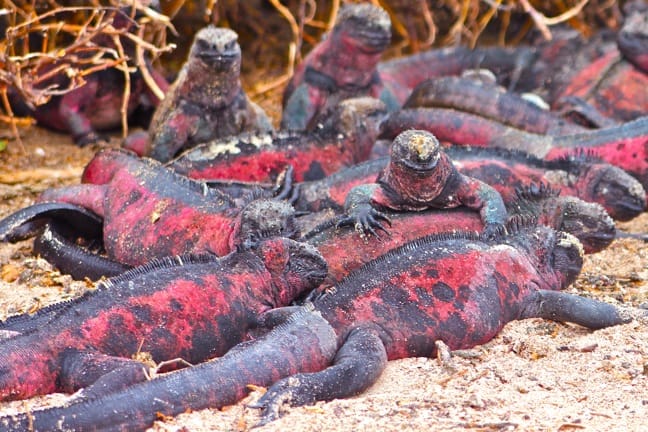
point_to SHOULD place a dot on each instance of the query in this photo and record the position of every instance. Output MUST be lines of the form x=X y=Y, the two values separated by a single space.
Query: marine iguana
x=581 y=174
x=343 y=139
x=340 y=67
x=458 y=288
x=420 y=176
x=624 y=146
x=345 y=251
x=193 y=307
x=95 y=106
x=206 y=101
x=150 y=211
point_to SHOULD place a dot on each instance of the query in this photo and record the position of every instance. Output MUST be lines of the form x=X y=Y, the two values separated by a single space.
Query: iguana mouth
x=212 y=57
x=631 y=206
x=419 y=167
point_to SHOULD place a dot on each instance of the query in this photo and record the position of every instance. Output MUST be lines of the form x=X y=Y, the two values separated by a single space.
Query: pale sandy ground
x=535 y=376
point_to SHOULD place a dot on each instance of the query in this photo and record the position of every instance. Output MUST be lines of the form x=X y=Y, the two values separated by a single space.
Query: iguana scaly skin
x=491 y=101
x=459 y=289
x=342 y=140
x=206 y=101
x=340 y=67
x=189 y=307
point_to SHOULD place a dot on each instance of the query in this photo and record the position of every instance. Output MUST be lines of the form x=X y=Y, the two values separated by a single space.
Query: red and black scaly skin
x=345 y=251
x=611 y=85
x=97 y=105
x=581 y=174
x=632 y=39
x=206 y=101
x=189 y=307
x=340 y=67
x=344 y=139
x=150 y=211
x=305 y=342
x=330 y=192
x=603 y=71
x=457 y=288
x=420 y=176
x=489 y=100
x=403 y=74
x=625 y=146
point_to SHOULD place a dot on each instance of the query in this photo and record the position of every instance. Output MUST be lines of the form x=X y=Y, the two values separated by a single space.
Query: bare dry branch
x=77 y=42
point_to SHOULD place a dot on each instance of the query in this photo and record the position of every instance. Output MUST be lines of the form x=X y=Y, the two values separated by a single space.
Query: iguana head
x=417 y=150
x=367 y=25
x=211 y=77
x=622 y=195
x=265 y=218
x=296 y=267
x=554 y=252
x=418 y=169
x=218 y=48
x=587 y=221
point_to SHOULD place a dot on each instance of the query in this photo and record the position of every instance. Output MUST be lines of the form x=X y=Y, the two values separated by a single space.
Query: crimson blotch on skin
x=193 y=307
x=457 y=288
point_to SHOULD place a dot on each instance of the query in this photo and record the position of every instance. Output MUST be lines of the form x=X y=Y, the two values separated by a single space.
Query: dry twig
x=72 y=50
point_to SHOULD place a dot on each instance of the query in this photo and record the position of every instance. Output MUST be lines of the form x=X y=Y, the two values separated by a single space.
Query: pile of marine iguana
x=429 y=244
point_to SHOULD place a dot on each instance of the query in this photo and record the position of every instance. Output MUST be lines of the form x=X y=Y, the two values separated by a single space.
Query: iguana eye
x=203 y=45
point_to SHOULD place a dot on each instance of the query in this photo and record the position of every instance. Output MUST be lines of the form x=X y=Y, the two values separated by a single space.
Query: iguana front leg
x=360 y=209
x=565 y=307
x=475 y=194
x=174 y=133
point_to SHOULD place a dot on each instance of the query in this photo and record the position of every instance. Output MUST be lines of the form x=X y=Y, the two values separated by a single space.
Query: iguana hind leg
x=357 y=365
x=98 y=374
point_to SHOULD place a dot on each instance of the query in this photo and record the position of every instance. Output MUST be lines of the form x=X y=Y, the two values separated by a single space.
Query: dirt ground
x=535 y=376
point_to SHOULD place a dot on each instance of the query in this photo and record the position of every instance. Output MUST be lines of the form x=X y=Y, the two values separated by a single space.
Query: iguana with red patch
x=340 y=67
x=625 y=146
x=581 y=174
x=457 y=288
x=421 y=176
x=342 y=140
x=97 y=105
x=149 y=211
x=345 y=251
x=206 y=101
x=193 y=307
